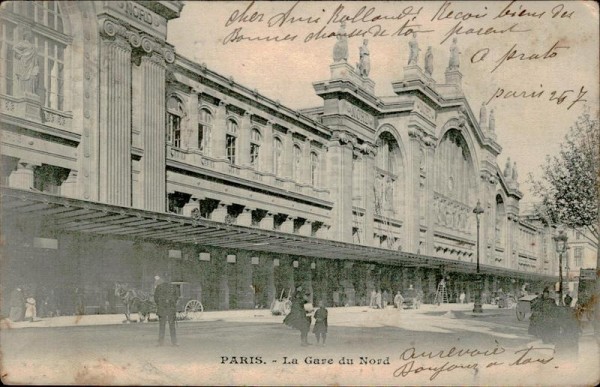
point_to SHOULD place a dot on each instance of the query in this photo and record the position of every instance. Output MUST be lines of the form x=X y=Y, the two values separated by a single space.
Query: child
x=320 y=328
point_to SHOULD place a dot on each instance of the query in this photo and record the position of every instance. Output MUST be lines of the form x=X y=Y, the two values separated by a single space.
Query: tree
x=568 y=188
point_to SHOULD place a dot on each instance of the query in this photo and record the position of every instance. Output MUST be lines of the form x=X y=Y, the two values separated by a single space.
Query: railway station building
x=122 y=160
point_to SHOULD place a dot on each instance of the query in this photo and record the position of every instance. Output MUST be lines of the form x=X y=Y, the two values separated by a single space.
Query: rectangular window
x=174 y=130
x=578 y=256
x=230 y=143
x=254 y=154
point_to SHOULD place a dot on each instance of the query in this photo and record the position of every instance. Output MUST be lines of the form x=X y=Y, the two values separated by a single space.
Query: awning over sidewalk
x=74 y=215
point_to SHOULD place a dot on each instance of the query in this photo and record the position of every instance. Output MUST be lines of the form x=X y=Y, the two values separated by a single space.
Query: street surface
x=443 y=345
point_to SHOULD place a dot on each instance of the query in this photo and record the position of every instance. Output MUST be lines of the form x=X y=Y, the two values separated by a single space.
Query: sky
x=544 y=52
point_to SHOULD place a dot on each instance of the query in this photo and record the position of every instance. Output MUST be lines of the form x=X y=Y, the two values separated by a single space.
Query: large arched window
x=32 y=59
x=500 y=221
x=175 y=114
x=297 y=164
x=255 y=139
x=455 y=173
x=204 y=129
x=314 y=169
x=277 y=156
x=230 y=140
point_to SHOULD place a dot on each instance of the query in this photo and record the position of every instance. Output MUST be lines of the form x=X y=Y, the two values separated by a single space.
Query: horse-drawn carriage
x=188 y=308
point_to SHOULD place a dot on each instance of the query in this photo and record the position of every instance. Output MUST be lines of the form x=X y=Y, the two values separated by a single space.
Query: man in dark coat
x=165 y=296
x=543 y=320
x=297 y=318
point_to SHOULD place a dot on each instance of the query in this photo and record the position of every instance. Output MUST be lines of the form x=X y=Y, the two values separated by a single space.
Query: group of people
x=301 y=314
x=552 y=323
x=22 y=307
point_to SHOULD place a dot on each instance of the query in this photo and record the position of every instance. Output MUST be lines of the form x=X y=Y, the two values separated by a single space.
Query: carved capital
x=342 y=137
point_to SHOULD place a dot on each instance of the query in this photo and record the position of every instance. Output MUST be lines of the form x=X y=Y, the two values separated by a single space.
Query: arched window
x=314 y=169
x=230 y=140
x=22 y=71
x=386 y=178
x=204 y=129
x=277 y=156
x=175 y=113
x=297 y=166
x=255 y=139
x=455 y=172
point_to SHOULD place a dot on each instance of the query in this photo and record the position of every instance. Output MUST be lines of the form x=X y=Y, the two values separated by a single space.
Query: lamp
x=477 y=308
x=560 y=242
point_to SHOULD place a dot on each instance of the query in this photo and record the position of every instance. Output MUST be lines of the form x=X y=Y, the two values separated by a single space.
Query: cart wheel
x=193 y=309
x=520 y=315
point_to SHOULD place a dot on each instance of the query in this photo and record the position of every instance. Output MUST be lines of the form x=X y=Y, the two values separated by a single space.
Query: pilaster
x=115 y=118
x=267 y=222
x=369 y=179
x=69 y=186
x=153 y=127
x=220 y=213
x=244 y=140
x=267 y=148
x=219 y=131
x=288 y=225
x=340 y=184
x=22 y=177
x=411 y=200
x=245 y=217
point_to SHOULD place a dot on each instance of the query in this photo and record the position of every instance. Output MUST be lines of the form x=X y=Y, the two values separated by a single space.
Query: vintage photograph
x=299 y=193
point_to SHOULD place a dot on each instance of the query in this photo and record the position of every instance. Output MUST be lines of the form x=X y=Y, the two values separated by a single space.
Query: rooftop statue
x=483 y=115
x=507 y=169
x=364 y=66
x=340 y=49
x=515 y=175
x=429 y=62
x=454 y=62
x=413 y=59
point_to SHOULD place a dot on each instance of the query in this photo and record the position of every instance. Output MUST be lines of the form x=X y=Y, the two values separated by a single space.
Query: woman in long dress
x=298 y=318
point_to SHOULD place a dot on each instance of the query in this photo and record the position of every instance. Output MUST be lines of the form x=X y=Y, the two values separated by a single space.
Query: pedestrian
x=462 y=297
x=336 y=298
x=568 y=300
x=320 y=328
x=298 y=317
x=385 y=299
x=17 y=305
x=373 y=300
x=30 y=309
x=398 y=300
x=378 y=299
x=165 y=296
x=543 y=320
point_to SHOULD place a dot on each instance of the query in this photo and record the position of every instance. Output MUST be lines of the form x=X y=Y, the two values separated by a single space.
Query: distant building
x=122 y=160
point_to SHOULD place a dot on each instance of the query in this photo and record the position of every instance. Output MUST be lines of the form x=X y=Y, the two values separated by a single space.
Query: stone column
x=287 y=225
x=266 y=151
x=267 y=222
x=412 y=193
x=69 y=186
x=153 y=128
x=270 y=282
x=244 y=140
x=245 y=217
x=220 y=213
x=288 y=155
x=115 y=120
x=306 y=228
x=340 y=185
x=23 y=177
x=219 y=131
x=369 y=203
x=429 y=165
x=245 y=293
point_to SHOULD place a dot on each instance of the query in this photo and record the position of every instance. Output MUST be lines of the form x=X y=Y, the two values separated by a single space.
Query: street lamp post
x=560 y=241
x=478 y=210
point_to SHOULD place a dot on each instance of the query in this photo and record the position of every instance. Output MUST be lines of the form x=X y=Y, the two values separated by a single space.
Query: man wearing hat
x=165 y=296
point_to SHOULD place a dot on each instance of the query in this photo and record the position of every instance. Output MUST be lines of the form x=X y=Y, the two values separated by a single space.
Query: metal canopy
x=74 y=215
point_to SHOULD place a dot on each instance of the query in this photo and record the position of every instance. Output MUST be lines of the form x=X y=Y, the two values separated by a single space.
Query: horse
x=133 y=298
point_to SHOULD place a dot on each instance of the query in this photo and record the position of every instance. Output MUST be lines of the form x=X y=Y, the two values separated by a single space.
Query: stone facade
x=119 y=118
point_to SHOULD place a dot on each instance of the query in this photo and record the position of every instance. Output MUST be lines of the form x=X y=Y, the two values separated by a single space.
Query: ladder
x=441 y=296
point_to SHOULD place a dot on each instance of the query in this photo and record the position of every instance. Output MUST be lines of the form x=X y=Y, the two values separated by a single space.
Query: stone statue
x=483 y=115
x=507 y=169
x=26 y=69
x=454 y=62
x=340 y=49
x=515 y=175
x=492 y=120
x=413 y=59
x=429 y=62
x=364 y=66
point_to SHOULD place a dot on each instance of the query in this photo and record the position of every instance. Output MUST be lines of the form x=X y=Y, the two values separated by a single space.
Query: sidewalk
x=247 y=315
